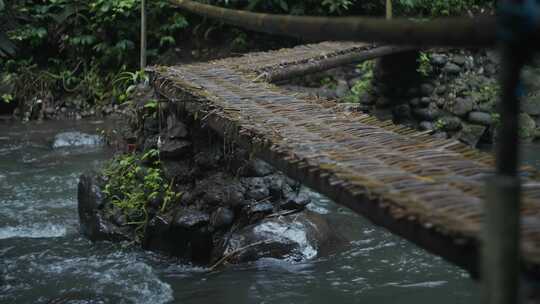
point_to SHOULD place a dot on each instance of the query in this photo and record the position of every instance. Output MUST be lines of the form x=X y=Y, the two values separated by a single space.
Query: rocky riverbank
x=186 y=193
x=454 y=94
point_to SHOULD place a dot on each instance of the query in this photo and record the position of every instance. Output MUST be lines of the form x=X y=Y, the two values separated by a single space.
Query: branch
x=456 y=32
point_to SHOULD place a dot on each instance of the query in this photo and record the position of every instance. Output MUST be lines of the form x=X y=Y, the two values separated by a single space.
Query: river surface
x=43 y=257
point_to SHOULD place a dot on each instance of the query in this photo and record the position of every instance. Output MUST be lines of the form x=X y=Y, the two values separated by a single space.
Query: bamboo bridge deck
x=426 y=190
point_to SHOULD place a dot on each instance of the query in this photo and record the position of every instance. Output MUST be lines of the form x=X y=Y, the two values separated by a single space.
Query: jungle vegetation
x=50 y=49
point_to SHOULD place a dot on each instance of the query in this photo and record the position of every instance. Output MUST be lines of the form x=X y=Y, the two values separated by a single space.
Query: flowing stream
x=43 y=258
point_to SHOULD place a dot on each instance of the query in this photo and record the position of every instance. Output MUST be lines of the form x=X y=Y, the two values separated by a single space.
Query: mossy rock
x=527 y=127
x=531 y=105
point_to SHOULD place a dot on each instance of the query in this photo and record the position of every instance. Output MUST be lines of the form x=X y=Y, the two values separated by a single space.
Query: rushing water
x=43 y=257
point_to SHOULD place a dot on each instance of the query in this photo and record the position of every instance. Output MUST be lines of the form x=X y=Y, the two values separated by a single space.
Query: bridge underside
x=426 y=190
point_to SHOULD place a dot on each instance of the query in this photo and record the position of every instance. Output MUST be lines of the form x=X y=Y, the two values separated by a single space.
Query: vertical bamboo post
x=143 y=35
x=388 y=9
x=501 y=231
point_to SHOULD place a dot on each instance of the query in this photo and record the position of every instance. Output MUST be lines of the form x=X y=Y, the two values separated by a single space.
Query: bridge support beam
x=396 y=77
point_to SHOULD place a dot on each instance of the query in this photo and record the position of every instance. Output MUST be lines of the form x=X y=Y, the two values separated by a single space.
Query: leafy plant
x=435 y=8
x=424 y=64
x=7 y=98
x=337 y=6
x=329 y=82
x=133 y=188
x=363 y=85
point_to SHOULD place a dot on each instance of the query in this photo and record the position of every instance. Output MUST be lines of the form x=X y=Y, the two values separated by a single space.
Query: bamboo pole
x=501 y=231
x=388 y=9
x=143 y=35
x=458 y=32
x=323 y=64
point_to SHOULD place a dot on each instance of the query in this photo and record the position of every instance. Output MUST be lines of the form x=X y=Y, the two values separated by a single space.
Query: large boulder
x=471 y=134
x=293 y=238
x=76 y=139
x=531 y=105
x=527 y=127
x=460 y=106
x=94 y=223
x=174 y=148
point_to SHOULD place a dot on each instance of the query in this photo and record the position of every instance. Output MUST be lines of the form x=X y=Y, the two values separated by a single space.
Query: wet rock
x=415 y=102
x=208 y=160
x=440 y=102
x=157 y=234
x=430 y=113
x=493 y=56
x=488 y=106
x=295 y=239
x=438 y=60
x=342 y=88
x=531 y=105
x=460 y=106
x=459 y=60
x=276 y=186
x=175 y=148
x=471 y=134
x=177 y=130
x=91 y=203
x=531 y=79
x=257 y=168
x=255 y=211
x=426 y=125
x=426 y=89
x=450 y=124
x=188 y=218
x=296 y=202
x=256 y=188
x=481 y=118
x=77 y=139
x=150 y=126
x=527 y=127
x=440 y=135
x=402 y=111
x=234 y=195
x=178 y=171
x=222 y=217
x=451 y=68
x=219 y=189
x=425 y=101
x=440 y=90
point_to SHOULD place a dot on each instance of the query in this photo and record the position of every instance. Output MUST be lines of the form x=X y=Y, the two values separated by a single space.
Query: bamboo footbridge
x=426 y=190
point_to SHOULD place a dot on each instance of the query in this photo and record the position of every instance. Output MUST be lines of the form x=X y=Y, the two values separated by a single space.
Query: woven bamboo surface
x=438 y=183
x=266 y=62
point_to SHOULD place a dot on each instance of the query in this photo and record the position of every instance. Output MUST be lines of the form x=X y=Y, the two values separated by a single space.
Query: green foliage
x=495 y=119
x=132 y=187
x=7 y=98
x=424 y=64
x=329 y=82
x=337 y=6
x=299 y=7
x=435 y=8
x=85 y=45
x=363 y=85
x=440 y=124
